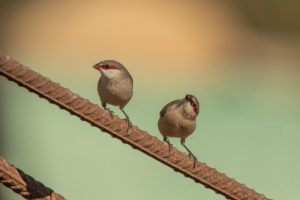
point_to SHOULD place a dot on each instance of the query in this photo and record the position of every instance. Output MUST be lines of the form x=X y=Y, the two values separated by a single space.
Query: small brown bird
x=178 y=119
x=115 y=85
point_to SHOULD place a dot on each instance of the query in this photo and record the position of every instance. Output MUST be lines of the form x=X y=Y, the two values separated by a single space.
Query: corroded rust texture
x=25 y=185
x=116 y=127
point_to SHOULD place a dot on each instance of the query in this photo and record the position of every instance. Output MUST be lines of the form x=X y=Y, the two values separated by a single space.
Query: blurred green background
x=240 y=58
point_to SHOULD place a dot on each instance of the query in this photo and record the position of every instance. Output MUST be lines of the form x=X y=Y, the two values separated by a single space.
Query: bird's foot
x=129 y=125
x=194 y=157
x=110 y=112
x=170 y=145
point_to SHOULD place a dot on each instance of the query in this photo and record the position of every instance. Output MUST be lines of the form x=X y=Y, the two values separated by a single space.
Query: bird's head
x=109 y=68
x=193 y=103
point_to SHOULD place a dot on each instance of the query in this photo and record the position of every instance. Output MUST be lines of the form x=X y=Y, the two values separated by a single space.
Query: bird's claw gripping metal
x=191 y=155
x=129 y=125
x=170 y=145
x=194 y=158
x=110 y=112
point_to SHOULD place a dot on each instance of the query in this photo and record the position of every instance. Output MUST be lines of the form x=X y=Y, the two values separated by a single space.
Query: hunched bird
x=115 y=85
x=178 y=119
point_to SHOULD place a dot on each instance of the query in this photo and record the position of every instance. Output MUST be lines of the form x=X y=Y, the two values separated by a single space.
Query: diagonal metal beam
x=116 y=127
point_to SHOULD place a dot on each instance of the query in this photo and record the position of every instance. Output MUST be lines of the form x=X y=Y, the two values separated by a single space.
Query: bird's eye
x=106 y=66
x=194 y=105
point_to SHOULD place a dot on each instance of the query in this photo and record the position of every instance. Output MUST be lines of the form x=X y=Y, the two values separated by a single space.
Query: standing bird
x=115 y=85
x=178 y=119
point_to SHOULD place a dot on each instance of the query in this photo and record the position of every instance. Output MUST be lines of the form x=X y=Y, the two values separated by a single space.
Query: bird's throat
x=111 y=74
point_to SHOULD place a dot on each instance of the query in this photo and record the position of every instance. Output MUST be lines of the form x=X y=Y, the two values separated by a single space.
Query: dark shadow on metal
x=25 y=185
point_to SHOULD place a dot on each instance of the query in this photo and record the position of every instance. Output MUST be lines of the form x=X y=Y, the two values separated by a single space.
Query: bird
x=115 y=86
x=178 y=119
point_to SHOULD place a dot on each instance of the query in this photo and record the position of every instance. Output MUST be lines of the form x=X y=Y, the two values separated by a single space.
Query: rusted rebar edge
x=25 y=185
x=116 y=127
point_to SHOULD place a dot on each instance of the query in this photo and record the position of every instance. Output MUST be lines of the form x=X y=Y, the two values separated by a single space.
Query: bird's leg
x=127 y=119
x=190 y=153
x=169 y=143
x=110 y=111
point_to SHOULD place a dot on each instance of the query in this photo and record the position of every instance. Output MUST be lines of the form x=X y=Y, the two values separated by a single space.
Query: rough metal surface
x=23 y=184
x=117 y=127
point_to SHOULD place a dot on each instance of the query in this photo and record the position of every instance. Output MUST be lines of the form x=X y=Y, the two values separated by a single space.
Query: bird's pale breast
x=115 y=92
x=173 y=124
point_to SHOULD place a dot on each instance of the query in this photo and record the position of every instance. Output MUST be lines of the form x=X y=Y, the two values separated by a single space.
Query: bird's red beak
x=97 y=67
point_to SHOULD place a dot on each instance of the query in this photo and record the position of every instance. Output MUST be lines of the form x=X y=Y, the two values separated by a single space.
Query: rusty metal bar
x=25 y=185
x=116 y=127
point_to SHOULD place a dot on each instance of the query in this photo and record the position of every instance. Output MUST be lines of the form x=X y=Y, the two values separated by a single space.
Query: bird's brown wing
x=164 y=110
